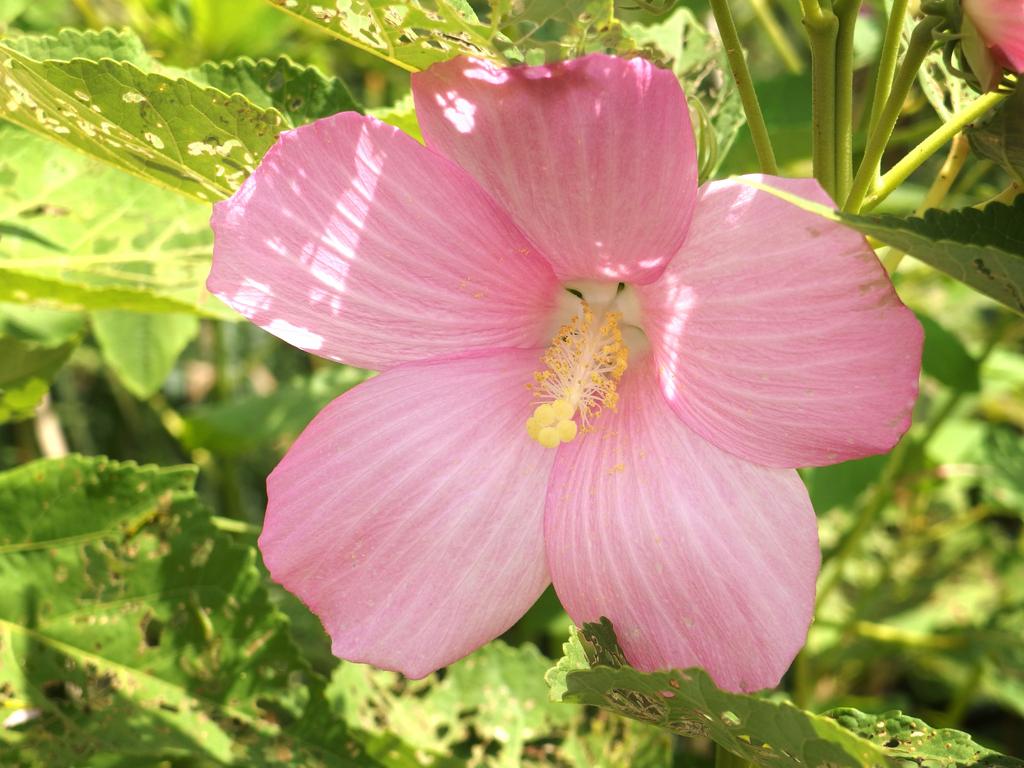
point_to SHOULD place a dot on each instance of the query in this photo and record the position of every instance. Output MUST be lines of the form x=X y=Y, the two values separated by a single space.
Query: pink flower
x=993 y=38
x=420 y=515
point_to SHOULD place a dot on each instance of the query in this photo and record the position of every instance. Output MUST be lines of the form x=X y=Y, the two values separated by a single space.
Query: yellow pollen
x=583 y=366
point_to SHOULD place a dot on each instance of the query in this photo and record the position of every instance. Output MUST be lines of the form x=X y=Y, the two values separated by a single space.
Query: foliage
x=983 y=248
x=137 y=625
x=594 y=671
x=125 y=613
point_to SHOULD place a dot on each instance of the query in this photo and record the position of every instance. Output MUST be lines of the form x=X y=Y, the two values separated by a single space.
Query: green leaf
x=682 y=43
x=402 y=115
x=494 y=704
x=102 y=239
x=11 y=9
x=26 y=372
x=947 y=93
x=914 y=740
x=48 y=326
x=246 y=424
x=769 y=733
x=301 y=94
x=839 y=485
x=142 y=349
x=132 y=630
x=412 y=35
x=999 y=136
x=68 y=44
x=686 y=702
x=167 y=130
x=984 y=249
x=945 y=358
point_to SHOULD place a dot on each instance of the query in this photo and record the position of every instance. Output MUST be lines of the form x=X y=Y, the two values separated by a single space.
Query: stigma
x=582 y=368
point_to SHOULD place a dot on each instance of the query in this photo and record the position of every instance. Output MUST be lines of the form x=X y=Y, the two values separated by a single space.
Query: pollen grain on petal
x=582 y=368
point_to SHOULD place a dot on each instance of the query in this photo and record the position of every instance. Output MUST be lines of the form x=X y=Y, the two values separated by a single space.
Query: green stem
x=745 y=85
x=777 y=36
x=847 y=13
x=726 y=759
x=887 y=61
x=932 y=144
x=822 y=32
x=921 y=43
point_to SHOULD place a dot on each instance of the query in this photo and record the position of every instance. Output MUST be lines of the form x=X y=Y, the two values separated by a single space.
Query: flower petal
x=408 y=515
x=594 y=158
x=1001 y=23
x=697 y=557
x=356 y=243
x=778 y=334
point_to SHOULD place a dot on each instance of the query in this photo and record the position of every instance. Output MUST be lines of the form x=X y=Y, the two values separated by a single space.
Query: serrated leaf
x=168 y=130
x=412 y=35
x=26 y=369
x=142 y=349
x=999 y=136
x=301 y=94
x=131 y=629
x=984 y=249
x=769 y=733
x=103 y=239
x=67 y=44
x=766 y=733
x=682 y=43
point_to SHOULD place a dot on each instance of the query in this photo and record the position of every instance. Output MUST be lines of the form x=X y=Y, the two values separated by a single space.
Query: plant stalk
x=745 y=85
x=822 y=32
x=847 y=12
x=932 y=144
x=921 y=43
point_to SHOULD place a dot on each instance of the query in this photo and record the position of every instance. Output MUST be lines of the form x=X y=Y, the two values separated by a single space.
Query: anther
x=583 y=366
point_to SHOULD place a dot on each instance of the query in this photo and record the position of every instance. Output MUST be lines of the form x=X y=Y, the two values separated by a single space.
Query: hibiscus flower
x=993 y=38
x=593 y=372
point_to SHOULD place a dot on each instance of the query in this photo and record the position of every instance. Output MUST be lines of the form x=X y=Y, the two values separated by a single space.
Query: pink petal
x=354 y=242
x=594 y=158
x=778 y=334
x=698 y=558
x=408 y=515
x=1001 y=23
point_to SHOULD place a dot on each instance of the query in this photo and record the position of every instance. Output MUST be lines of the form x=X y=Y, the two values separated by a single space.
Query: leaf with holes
x=95 y=238
x=412 y=35
x=131 y=630
x=301 y=94
x=984 y=249
x=165 y=129
x=764 y=732
x=493 y=704
x=769 y=733
x=916 y=741
x=682 y=43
